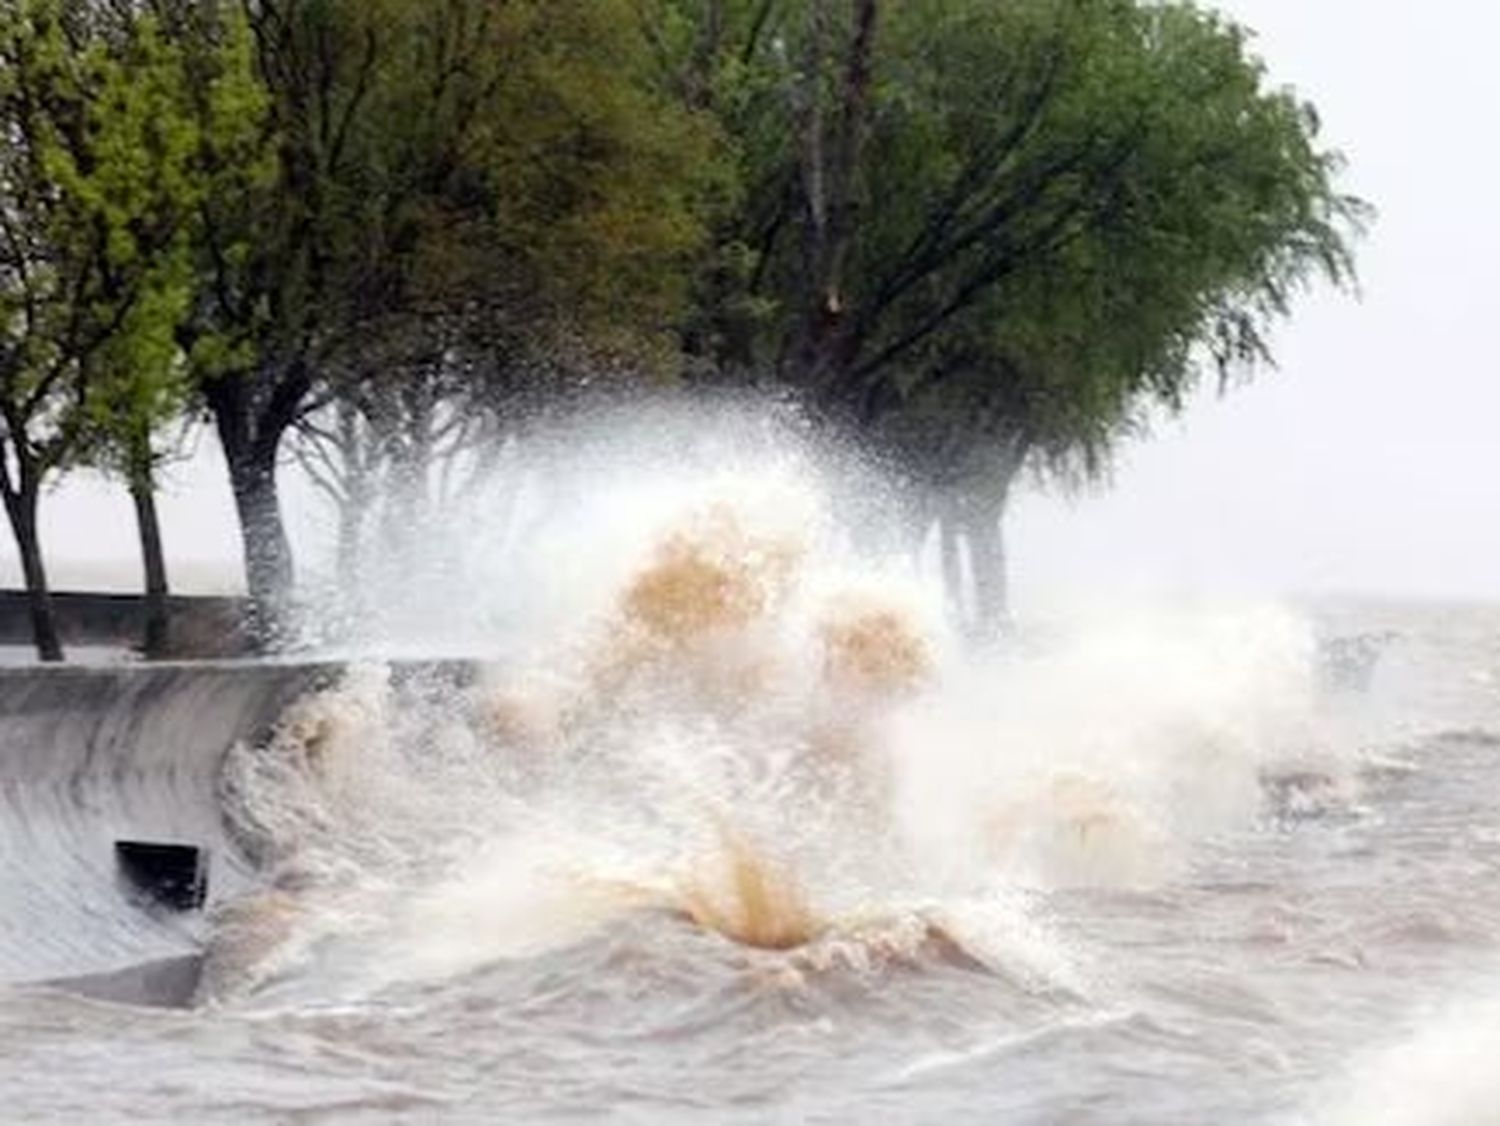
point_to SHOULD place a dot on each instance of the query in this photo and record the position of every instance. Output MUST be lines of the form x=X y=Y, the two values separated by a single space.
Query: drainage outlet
x=174 y=876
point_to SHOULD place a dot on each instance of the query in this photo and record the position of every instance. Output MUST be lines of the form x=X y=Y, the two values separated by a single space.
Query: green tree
x=997 y=235
x=141 y=386
x=419 y=180
x=95 y=200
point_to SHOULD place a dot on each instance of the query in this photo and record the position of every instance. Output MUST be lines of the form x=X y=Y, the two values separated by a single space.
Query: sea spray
x=1441 y=1073
x=720 y=703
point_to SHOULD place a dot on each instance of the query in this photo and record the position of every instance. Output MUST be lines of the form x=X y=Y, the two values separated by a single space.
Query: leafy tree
x=95 y=189
x=991 y=235
x=426 y=181
x=141 y=386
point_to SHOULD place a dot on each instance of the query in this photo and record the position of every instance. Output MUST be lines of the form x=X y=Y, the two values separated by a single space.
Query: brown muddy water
x=755 y=840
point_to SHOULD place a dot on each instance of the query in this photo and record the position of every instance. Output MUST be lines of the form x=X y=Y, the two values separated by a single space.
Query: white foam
x=1442 y=1073
x=824 y=716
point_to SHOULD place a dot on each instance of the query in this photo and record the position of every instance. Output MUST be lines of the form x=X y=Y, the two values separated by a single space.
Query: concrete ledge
x=92 y=756
x=168 y=983
x=200 y=626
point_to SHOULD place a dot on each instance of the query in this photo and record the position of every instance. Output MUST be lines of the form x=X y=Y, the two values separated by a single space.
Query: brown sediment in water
x=876 y=946
x=699 y=618
x=248 y=933
x=524 y=713
x=1083 y=829
x=874 y=657
x=711 y=575
x=747 y=897
x=687 y=619
x=882 y=944
x=310 y=733
x=698 y=612
x=873 y=649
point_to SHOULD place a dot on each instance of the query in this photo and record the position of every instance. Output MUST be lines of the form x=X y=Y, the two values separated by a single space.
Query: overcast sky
x=1368 y=463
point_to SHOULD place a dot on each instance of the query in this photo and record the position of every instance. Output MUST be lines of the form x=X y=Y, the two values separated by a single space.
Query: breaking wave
x=726 y=711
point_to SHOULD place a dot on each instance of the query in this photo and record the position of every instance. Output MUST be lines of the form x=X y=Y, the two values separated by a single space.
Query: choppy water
x=747 y=835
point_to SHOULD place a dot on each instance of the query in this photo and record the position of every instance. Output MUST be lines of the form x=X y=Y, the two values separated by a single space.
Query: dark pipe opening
x=174 y=876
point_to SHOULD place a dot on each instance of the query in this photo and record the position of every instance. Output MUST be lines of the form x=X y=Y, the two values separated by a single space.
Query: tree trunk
x=266 y=548
x=347 y=549
x=991 y=582
x=21 y=506
x=156 y=641
x=355 y=443
x=250 y=436
x=951 y=549
x=830 y=145
x=978 y=508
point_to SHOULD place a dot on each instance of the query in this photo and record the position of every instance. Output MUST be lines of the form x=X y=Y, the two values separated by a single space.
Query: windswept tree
x=96 y=198
x=140 y=390
x=414 y=180
x=989 y=236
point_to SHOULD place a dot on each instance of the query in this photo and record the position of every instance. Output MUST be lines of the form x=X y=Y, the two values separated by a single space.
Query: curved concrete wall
x=89 y=756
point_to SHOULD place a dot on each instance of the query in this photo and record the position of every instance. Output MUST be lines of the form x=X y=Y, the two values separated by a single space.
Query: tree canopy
x=97 y=194
x=981 y=236
x=987 y=235
x=410 y=181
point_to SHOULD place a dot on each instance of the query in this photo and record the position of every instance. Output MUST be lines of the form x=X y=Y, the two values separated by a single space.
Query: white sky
x=1369 y=462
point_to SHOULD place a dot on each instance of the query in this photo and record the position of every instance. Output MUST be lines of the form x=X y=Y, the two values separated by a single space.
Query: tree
x=410 y=177
x=141 y=385
x=1002 y=232
x=95 y=189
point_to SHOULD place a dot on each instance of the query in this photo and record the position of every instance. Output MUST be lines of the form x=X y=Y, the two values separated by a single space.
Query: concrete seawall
x=91 y=756
x=200 y=626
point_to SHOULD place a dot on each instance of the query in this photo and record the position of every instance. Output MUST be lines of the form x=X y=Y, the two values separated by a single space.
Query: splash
x=741 y=894
x=872 y=649
x=1441 y=1074
x=713 y=574
x=738 y=715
